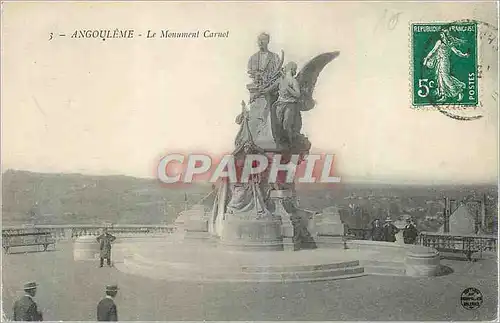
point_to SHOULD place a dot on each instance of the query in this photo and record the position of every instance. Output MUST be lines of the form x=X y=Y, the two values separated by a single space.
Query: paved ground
x=70 y=291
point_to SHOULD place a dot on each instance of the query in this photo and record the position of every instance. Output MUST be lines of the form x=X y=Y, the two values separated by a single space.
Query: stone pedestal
x=330 y=229
x=196 y=223
x=242 y=233
x=328 y=223
x=85 y=248
x=422 y=262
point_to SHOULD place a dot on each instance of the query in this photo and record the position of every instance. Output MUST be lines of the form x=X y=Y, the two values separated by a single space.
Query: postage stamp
x=444 y=64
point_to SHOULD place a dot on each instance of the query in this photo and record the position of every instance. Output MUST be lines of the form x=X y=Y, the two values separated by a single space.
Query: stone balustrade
x=72 y=231
x=359 y=234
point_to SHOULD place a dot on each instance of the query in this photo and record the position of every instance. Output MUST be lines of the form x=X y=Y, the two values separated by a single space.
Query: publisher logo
x=471 y=298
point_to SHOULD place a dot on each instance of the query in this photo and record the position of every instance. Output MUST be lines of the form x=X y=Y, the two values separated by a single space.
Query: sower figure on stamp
x=439 y=59
x=106 y=309
x=25 y=308
x=105 y=240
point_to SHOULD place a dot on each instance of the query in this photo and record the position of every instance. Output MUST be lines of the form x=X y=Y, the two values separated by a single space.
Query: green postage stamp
x=444 y=64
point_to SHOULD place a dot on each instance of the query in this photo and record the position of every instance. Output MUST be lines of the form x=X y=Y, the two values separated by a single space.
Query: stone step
x=385 y=271
x=294 y=280
x=145 y=269
x=152 y=274
x=303 y=275
x=388 y=268
x=300 y=268
x=378 y=263
x=246 y=268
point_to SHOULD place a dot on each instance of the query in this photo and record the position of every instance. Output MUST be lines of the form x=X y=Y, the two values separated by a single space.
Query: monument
x=253 y=221
x=257 y=214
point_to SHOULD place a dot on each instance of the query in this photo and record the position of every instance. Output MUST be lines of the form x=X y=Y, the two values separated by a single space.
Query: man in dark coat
x=106 y=309
x=105 y=240
x=377 y=231
x=410 y=233
x=25 y=308
x=390 y=230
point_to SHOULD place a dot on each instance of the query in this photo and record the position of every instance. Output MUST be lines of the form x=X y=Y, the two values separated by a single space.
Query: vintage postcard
x=249 y=161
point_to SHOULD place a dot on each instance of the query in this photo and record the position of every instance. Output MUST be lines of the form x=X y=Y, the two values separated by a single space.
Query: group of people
x=26 y=309
x=387 y=231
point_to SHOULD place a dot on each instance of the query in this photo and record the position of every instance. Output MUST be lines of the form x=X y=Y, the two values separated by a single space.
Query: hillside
x=72 y=198
x=83 y=199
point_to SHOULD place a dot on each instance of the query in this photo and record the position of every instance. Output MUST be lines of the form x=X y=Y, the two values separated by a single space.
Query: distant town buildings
x=464 y=217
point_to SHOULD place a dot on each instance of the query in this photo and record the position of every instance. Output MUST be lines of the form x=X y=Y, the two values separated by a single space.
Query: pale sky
x=115 y=107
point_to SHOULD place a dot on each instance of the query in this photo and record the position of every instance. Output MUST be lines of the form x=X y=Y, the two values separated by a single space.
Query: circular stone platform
x=180 y=261
x=204 y=261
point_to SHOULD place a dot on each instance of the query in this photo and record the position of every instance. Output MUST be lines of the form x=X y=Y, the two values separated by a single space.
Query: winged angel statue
x=271 y=123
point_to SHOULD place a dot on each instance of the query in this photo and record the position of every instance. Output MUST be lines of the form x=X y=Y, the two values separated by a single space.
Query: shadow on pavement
x=445 y=270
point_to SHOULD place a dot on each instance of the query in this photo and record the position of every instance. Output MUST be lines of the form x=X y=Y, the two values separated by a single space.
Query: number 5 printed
x=423 y=87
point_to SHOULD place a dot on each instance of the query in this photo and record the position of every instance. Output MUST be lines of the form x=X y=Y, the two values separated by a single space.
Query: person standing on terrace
x=105 y=240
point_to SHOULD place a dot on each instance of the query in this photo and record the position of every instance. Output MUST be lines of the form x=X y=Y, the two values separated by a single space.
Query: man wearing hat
x=390 y=230
x=410 y=232
x=25 y=308
x=105 y=240
x=106 y=309
x=377 y=231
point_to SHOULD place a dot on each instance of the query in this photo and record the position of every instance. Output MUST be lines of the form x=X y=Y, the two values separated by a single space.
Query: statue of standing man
x=263 y=68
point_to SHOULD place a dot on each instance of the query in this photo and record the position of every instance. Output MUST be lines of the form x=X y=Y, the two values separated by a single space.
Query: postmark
x=471 y=298
x=444 y=64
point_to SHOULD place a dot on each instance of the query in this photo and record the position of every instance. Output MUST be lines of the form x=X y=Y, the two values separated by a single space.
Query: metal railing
x=466 y=244
x=458 y=242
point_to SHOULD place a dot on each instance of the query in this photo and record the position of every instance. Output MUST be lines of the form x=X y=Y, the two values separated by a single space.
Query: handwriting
x=391 y=22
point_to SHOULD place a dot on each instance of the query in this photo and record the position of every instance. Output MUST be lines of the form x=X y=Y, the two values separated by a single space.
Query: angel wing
x=308 y=76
